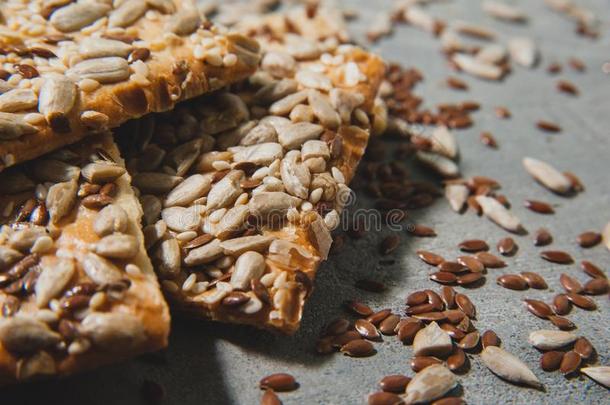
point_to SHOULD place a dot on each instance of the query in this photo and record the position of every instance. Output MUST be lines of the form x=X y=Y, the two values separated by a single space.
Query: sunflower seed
x=456 y=194
x=242 y=244
x=443 y=142
x=155 y=183
x=557 y=256
x=184 y=22
x=498 y=213
x=279 y=382
x=431 y=383
x=78 y=15
x=512 y=281
x=534 y=280
x=13 y=126
x=551 y=361
x=394 y=383
x=547 y=175
x=589 y=239
x=432 y=340
x=103 y=70
x=60 y=199
x=523 y=51
x=358 y=348
x=550 y=339
x=117 y=246
x=116 y=331
x=503 y=11
x=542 y=237
x=606 y=235
x=18 y=100
x=601 y=374
x=100 y=270
x=440 y=164
x=508 y=367
x=52 y=280
x=294 y=135
x=180 y=219
x=260 y=154
x=22 y=335
x=561 y=304
x=111 y=218
x=477 y=68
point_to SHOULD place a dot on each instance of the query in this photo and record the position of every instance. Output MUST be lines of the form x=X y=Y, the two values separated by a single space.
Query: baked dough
x=69 y=69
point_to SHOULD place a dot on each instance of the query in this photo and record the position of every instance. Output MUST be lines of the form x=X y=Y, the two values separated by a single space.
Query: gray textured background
x=211 y=363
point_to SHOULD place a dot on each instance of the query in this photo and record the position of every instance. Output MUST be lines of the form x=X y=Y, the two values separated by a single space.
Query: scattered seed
x=279 y=382
x=270 y=398
x=457 y=359
x=567 y=87
x=384 y=398
x=473 y=245
x=443 y=277
x=539 y=308
x=597 y=286
x=508 y=367
x=488 y=139
x=379 y=316
x=394 y=383
x=358 y=308
x=344 y=338
x=582 y=302
x=490 y=261
x=470 y=341
x=407 y=332
x=472 y=263
x=454 y=315
x=421 y=230
x=366 y=329
x=512 y=282
x=464 y=303
x=539 y=206
x=592 y=270
x=388 y=325
x=470 y=278
x=452 y=267
x=577 y=64
x=551 y=361
x=358 y=348
x=431 y=383
x=507 y=246
x=547 y=175
x=457 y=84
x=554 y=68
x=389 y=244
x=601 y=374
x=589 y=239
x=430 y=258
x=570 y=284
x=502 y=112
x=418 y=363
x=570 y=362
x=548 y=126
x=420 y=309
x=550 y=339
x=499 y=214
x=557 y=256
x=430 y=316
x=561 y=304
x=542 y=237
x=583 y=347
x=337 y=327
x=448 y=296
x=561 y=322
x=489 y=338
x=534 y=280
x=417 y=298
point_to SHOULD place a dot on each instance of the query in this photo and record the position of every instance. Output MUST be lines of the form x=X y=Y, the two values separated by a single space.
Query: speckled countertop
x=208 y=363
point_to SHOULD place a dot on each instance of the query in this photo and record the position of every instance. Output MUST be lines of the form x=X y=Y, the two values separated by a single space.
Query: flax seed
x=389 y=244
x=418 y=363
x=407 y=332
x=474 y=205
x=470 y=341
x=490 y=261
x=567 y=87
x=574 y=181
x=534 y=280
x=597 y=286
x=379 y=316
x=570 y=284
x=582 y=302
x=502 y=112
x=557 y=256
x=394 y=383
x=456 y=83
x=344 y=338
x=430 y=258
x=417 y=298
x=507 y=246
x=472 y=263
x=454 y=316
x=358 y=348
x=367 y=330
x=388 y=325
x=449 y=401
x=337 y=327
x=448 y=296
x=583 y=347
x=561 y=304
x=488 y=139
x=577 y=64
x=470 y=278
x=452 y=267
x=551 y=361
x=542 y=237
x=561 y=322
x=358 y=308
x=453 y=331
x=270 y=398
x=548 y=126
x=570 y=362
x=592 y=270
x=589 y=239
x=370 y=285
x=278 y=382
x=539 y=206
x=539 y=308
x=421 y=230
x=384 y=398
x=489 y=338
x=420 y=309
x=554 y=68
x=443 y=277
x=457 y=359
x=464 y=303
x=435 y=300
x=473 y=245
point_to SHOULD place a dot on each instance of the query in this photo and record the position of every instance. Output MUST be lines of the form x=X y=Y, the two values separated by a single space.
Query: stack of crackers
x=148 y=155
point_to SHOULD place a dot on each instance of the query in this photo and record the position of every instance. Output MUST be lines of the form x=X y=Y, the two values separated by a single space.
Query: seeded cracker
x=77 y=289
x=240 y=189
x=68 y=69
